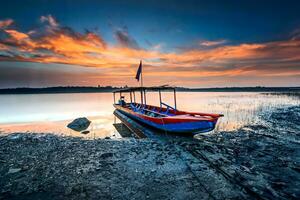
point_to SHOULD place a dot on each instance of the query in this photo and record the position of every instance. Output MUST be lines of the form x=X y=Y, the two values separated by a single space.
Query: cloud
x=6 y=23
x=208 y=43
x=16 y=35
x=125 y=40
x=58 y=41
x=54 y=43
x=49 y=19
x=3 y=47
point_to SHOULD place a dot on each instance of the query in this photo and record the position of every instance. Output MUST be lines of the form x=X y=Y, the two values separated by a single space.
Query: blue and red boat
x=164 y=117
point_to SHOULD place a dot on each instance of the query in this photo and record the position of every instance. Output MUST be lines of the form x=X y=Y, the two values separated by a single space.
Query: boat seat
x=133 y=107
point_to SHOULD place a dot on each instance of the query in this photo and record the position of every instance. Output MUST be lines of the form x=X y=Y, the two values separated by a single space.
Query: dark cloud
x=124 y=39
x=48 y=41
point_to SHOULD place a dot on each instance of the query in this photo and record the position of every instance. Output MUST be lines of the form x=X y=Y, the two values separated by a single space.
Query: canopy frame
x=143 y=91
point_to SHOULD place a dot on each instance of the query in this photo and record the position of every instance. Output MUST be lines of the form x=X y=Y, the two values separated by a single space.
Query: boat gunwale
x=164 y=123
x=179 y=112
x=168 y=119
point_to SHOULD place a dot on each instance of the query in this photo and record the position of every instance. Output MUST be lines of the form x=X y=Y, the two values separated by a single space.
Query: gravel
x=261 y=161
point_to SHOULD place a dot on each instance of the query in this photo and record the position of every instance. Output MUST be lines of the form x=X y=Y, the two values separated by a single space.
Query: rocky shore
x=260 y=161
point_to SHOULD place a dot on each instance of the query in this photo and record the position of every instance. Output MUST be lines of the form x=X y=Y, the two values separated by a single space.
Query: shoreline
x=257 y=161
x=109 y=89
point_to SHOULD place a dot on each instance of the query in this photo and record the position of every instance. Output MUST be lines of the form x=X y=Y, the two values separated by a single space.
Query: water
x=51 y=113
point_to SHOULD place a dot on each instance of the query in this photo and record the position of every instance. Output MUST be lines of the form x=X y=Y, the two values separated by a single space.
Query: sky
x=191 y=43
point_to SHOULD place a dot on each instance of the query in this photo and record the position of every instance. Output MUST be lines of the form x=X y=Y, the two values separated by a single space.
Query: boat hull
x=176 y=124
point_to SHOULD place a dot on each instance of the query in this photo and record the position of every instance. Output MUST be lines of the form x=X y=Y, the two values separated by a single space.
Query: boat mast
x=142 y=99
x=141 y=75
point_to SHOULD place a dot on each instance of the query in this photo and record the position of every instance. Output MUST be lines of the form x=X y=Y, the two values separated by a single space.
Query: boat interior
x=151 y=111
x=154 y=111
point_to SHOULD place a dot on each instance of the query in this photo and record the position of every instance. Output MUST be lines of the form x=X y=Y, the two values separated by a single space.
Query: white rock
x=14 y=170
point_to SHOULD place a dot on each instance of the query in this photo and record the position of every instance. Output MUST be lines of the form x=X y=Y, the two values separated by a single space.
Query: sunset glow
x=114 y=61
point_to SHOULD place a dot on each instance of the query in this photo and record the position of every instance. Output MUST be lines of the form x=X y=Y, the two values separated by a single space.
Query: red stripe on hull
x=179 y=116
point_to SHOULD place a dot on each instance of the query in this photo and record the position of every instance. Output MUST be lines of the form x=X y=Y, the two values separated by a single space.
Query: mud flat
x=261 y=161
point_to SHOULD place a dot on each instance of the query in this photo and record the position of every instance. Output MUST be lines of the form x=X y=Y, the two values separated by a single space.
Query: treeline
x=242 y=89
x=99 y=89
x=50 y=90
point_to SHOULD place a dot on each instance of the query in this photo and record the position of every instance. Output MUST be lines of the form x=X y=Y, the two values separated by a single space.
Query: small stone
x=246 y=169
x=14 y=137
x=106 y=155
x=14 y=170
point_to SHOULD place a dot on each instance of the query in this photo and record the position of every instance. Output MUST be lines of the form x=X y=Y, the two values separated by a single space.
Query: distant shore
x=75 y=89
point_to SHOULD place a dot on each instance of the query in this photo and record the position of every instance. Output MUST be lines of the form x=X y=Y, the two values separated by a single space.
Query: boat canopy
x=135 y=89
x=143 y=90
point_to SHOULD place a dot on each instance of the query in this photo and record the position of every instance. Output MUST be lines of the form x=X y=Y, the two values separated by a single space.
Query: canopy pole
x=141 y=96
x=134 y=96
x=159 y=98
x=130 y=97
x=175 y=99
x=114 y=98
x=145 y=97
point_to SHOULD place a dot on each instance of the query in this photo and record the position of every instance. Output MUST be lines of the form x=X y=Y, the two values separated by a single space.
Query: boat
x=163 y=117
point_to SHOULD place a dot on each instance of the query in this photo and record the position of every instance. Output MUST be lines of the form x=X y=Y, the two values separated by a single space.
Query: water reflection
x=99 y=128
x=52 y=112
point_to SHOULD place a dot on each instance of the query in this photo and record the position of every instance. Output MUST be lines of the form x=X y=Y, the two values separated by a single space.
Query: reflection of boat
x=164 y=117
x=133 y=128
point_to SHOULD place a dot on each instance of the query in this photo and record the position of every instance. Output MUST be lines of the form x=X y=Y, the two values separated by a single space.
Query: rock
x=79 y=124
x=106 y=155
x=159 y=162
x=13 y=170
x=246 y=169
x=14 y=136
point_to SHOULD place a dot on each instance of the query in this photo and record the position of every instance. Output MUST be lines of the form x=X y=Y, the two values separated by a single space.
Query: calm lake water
x=50 y=113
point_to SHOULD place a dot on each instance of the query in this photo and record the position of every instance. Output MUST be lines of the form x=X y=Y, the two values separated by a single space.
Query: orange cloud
x=6 y=23
x=62 y=45
x=3 y=47
x=16 y=35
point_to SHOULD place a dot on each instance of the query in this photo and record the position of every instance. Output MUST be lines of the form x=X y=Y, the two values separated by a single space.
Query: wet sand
x=255 y=162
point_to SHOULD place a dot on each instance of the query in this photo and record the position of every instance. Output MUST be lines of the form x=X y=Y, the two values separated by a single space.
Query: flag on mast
x=139 y=72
